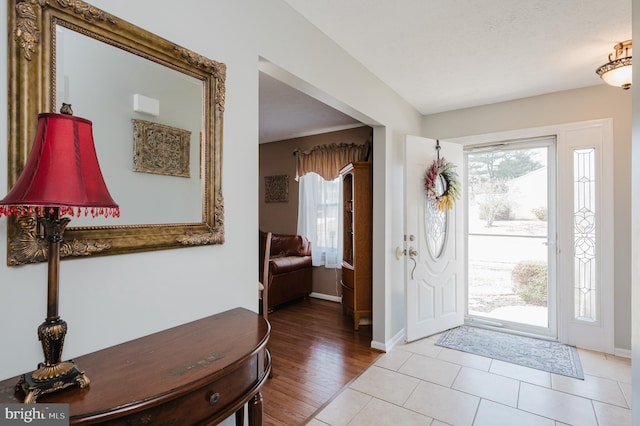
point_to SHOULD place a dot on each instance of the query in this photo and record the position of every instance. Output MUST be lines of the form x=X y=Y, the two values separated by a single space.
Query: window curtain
x=327 y=160
x=320 y=198
x=319 y=218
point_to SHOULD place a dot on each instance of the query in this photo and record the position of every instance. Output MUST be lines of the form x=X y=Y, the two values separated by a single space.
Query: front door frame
x=564 y=134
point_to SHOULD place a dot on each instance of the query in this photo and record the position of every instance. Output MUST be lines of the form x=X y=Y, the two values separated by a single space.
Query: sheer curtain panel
x=320 y=218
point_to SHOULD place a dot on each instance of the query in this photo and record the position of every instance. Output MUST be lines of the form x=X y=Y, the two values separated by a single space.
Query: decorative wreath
x=451 y=193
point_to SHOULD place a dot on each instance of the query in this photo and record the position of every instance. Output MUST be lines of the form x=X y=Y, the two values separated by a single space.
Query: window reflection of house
x=525 y=196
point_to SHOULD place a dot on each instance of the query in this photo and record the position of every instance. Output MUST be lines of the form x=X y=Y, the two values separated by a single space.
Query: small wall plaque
x=276 y=189
x=160 y=149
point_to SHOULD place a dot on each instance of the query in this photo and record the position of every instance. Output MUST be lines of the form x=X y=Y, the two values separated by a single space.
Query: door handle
x=412 y=255
x=551 y=244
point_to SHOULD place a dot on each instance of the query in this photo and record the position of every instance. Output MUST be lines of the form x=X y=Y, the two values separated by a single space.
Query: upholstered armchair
x=288 y=271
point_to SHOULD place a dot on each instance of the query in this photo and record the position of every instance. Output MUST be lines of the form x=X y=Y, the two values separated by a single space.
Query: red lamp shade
x=62 y=171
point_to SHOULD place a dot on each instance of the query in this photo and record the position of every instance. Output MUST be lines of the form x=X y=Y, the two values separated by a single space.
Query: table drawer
x=212 y=402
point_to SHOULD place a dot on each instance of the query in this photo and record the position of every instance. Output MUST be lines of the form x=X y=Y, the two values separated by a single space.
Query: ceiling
x=442 y=55
x=287 y=113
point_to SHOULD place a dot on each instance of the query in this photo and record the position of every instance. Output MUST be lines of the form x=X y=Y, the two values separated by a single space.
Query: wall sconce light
x=617 y=72
x=61 y=177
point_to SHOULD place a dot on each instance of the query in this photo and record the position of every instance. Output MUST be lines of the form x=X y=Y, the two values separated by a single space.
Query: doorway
x=510 y=235
x=584 y=227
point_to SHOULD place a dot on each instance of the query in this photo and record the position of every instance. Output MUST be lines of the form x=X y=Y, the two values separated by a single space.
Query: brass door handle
x=413 y=253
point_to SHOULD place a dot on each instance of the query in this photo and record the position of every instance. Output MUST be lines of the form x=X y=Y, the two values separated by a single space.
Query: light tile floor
x=420 y=383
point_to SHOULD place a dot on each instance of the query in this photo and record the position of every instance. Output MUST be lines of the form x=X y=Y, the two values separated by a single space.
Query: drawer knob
x=214 y=398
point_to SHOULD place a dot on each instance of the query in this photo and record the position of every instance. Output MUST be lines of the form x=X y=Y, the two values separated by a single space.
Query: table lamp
x=61 y=177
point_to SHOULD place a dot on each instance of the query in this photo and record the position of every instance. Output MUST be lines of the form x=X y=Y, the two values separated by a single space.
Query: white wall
x=393 y=205
x=112 y=299
x=589 y=103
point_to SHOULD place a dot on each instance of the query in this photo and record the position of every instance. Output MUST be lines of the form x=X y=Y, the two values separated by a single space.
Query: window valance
x=327 y=160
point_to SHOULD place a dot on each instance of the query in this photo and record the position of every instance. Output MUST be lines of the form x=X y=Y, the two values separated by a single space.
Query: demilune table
x=198 y=373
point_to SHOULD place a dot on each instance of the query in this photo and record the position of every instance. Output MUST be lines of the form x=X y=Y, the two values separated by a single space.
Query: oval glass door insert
x=436 y=222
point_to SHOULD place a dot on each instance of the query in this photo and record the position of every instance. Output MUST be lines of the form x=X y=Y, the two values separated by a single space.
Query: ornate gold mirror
x=140 y=91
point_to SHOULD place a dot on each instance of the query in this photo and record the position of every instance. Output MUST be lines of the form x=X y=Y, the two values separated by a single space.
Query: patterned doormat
x=540 y=354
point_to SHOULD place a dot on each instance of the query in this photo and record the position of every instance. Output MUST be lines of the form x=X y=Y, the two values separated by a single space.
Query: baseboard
x=387 y=346
x=623 y=353
x=326 y=297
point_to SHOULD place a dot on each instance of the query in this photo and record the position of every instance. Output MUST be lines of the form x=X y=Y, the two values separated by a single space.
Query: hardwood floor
x=315 y=353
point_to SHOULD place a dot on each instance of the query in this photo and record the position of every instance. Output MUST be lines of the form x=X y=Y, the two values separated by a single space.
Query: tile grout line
x=460 y=366
x=595 y=414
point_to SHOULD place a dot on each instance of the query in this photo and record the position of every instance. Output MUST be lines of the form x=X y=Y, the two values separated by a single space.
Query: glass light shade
x=619 y=77
x=617 y=72
x=62 y=171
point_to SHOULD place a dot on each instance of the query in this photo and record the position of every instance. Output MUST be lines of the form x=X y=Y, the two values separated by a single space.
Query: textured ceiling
x=442 y=55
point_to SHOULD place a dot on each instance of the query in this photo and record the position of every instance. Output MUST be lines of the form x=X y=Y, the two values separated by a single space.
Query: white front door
x=434 y=282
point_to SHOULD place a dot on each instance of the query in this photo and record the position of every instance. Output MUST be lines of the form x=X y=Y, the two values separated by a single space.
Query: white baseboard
x=623 y=353
x=326 y=297
x=387 y=346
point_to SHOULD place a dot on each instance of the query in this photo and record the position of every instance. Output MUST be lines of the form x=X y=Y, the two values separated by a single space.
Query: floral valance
x=327 y=160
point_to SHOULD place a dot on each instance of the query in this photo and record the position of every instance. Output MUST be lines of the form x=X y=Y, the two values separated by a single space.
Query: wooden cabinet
x=197 y=373
x=357 y=189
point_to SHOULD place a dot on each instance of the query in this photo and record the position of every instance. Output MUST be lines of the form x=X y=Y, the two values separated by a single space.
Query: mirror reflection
x=111 y=89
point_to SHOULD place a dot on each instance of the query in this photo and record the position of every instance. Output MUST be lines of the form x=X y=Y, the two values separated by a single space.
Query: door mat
x=529 y=352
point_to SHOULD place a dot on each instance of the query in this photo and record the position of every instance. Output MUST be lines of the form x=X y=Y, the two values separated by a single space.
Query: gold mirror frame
x=32 y=91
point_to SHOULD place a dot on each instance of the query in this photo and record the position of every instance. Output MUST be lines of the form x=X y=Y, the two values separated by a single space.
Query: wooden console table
x=197 y=373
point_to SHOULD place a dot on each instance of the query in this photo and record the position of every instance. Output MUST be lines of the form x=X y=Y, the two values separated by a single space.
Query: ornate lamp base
x=53 y=374
x=49 y=379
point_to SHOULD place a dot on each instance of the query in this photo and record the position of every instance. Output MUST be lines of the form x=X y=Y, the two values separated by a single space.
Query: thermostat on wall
x=146 y=105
